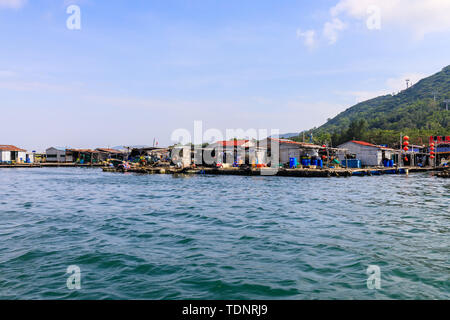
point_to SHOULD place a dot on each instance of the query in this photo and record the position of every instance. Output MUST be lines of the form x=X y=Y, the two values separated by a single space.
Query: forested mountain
x=381 y=120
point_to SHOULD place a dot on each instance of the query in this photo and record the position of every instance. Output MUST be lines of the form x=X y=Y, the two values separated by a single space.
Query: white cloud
x=14 y=4
x=417 y=17
x=330 y=32
x=309 y=37
x=420 y=17
x=331 y=29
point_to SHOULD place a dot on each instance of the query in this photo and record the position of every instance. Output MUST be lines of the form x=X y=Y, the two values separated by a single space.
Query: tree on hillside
x=357 y=130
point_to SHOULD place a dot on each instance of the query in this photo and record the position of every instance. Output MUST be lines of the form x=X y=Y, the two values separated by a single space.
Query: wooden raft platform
x=50 y=165
x=443 y=174
x=310 y=173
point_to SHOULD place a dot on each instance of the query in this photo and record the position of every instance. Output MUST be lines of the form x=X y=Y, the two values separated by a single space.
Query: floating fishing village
x=270 y=156
x=224 y=159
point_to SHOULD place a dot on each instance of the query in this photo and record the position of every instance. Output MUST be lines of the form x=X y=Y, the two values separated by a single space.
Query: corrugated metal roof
x=82 y=150
x=300 y=144
x=108 y=150
x=7 y=147
x=367 y=144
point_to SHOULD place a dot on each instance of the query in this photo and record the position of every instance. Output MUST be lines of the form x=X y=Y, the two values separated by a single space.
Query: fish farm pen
x=283 y=172
x=443 y=174
x=51 y=165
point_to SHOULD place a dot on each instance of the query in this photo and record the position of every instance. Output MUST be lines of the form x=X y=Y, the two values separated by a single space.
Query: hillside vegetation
x=381 y=120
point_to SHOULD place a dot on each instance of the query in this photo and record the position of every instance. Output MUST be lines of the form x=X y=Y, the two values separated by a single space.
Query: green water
x=221 y=237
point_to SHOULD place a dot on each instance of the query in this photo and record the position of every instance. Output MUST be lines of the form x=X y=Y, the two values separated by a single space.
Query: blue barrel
x=320 y=163
x=314 y=162
x=385 y=163
x=292 y=162
x=354 y=163
x=391 y=163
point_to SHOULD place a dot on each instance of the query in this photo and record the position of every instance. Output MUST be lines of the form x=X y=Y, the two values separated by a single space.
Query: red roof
x=10 y=148
x=363 y=143
x=231 y=143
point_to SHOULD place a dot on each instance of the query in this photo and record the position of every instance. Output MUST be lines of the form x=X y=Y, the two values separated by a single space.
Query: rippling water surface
x=221 y=237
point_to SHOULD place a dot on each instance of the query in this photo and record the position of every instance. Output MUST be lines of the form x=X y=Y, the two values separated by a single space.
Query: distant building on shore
x=107 y=153
x=237 y=152
x=55 y=155
x=369 y=154
x=59 y=155
x=289 y=149
x=158 y=152
x=82 y=156
x=13 y=154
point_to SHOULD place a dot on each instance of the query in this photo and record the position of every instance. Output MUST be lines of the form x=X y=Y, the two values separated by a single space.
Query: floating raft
x=50 y=165
x=306 y=173
x=443 y=174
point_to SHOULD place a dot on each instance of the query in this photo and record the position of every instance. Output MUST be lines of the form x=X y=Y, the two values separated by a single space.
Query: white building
x=237 y=152
x=55 y=155
x=12 y=154
x=290 y=149
x=369 y=154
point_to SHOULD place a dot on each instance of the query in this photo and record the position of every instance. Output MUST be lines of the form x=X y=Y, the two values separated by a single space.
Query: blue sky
x=138 y=70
